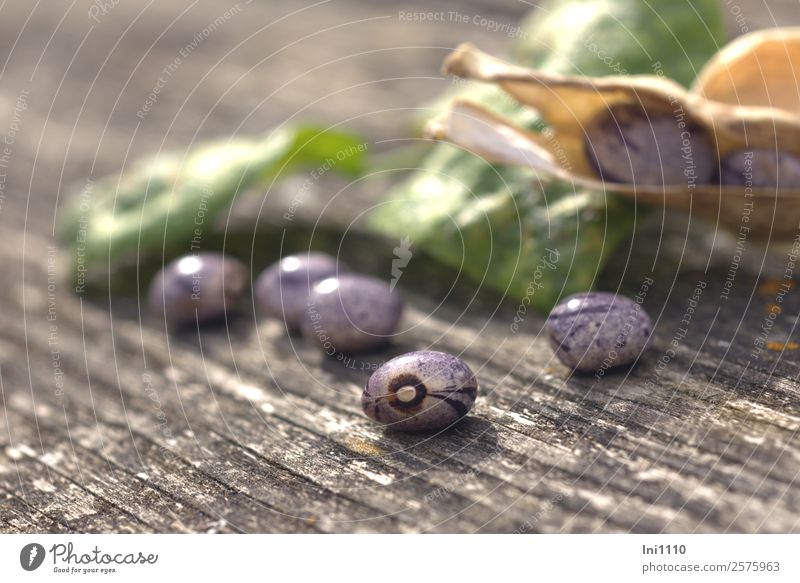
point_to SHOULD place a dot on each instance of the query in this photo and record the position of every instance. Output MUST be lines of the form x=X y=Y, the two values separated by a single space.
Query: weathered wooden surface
x=107 y=424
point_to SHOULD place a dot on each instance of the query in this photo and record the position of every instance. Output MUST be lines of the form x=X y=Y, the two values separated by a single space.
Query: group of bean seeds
x=345 y=312
x=335 y=309
x=630 y=145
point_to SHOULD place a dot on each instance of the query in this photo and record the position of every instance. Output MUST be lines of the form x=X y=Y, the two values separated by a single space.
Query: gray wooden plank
x=62 y=498
x=575 y=438
x=18 y=517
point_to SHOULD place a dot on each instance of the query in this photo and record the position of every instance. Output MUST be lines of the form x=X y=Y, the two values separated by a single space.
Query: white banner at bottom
x=400 y=558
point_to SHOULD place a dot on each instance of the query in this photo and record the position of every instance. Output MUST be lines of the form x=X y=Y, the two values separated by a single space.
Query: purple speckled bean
x=282 y=289
x=760 y=168
x=630 y=145
x=598 y=330
x=420 y=391
x=351 y=313
x=197 y=288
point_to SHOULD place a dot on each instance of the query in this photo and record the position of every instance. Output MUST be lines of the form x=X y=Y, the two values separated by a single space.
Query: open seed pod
x=648 y=138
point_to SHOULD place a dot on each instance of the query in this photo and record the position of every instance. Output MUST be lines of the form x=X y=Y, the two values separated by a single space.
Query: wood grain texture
x=109 y=425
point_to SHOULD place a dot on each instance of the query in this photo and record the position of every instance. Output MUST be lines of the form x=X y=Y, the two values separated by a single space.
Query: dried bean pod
x=570 y=105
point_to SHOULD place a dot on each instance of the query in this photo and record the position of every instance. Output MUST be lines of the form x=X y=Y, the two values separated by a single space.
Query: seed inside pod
x=761 y=168
x=626 y=144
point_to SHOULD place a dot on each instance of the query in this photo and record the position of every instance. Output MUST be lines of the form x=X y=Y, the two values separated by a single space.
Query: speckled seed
x=282 y=289
x=197 y=288
x=761 y=168
x=420 y=391
x=351 y=313
x=630 y=146
x=598 y=330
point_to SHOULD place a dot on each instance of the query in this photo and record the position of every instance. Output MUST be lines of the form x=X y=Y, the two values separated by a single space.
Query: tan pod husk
x=569 y=104
x=761 y=68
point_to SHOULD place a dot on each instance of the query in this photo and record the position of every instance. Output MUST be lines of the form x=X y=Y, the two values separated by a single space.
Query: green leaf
x=503 y=226
x=170 y=203
x=595 y=37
